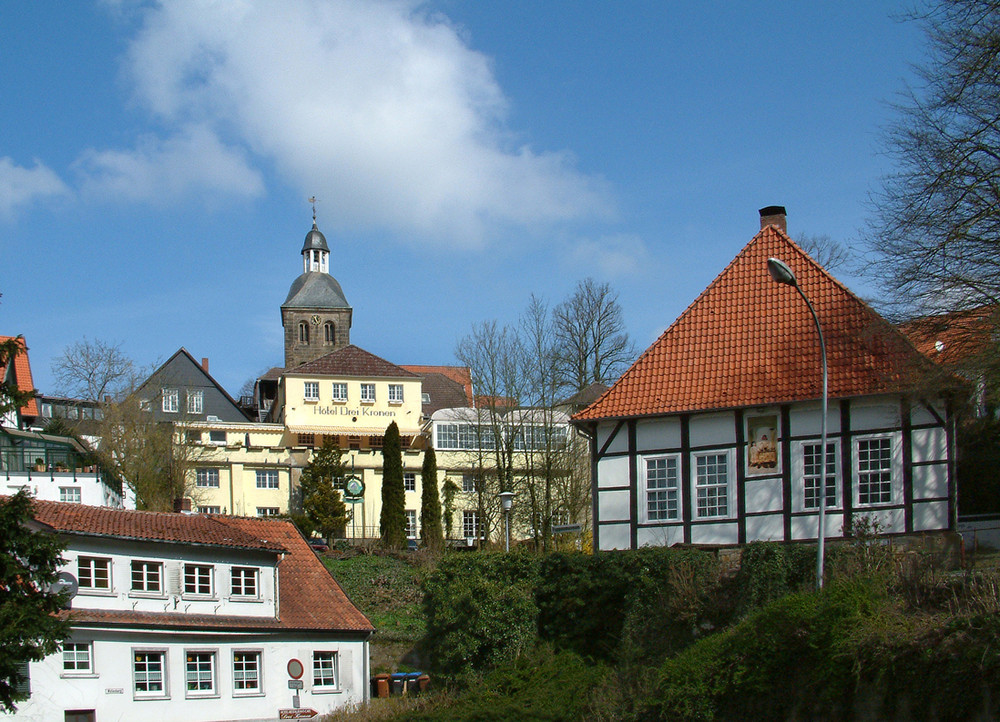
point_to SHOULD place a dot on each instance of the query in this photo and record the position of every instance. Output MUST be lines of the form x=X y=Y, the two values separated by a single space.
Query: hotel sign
x=344 y=411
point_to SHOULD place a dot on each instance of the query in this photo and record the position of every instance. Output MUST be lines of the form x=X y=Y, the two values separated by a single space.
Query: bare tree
x=590 y=337
x=935 y=239
x=92 y=370
x=827 y=252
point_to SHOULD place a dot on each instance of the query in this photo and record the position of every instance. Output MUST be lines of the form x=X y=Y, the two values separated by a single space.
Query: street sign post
x=303 y=713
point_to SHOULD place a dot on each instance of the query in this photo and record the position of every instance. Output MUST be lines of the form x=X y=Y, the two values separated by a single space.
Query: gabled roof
x=955 y=339
x=310 y=598
x=461 y=375
x=351 y=361
x=750 y=341
x=195 y=370
x=21 y=373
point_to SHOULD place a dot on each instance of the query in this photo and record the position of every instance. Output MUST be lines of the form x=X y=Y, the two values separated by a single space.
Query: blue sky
x=155 y=160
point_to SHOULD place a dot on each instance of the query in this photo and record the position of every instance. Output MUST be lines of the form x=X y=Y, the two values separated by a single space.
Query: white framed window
x=94 y=573
x=470 y=524
x=339 y=389
x=874 y=465
x=244 y=582
x=199 y=673
x=267 y=478
x=78 y=658
x=209 y=509
x=246 y=672
x=661 y=488
x=713 y=485
x=325 y=670
x=268 y=511
x=206 y=478
x=368 y=393
x=149 y=673
x=425 y=398
x=411 y=524
x=198 y=579
x=147 y=577
x=195 y=401
x=311 y=391
x=70 y=494
x=469 y=483
x=217 y=438
x=171 y=400
x=806 y=466
x=409 y=481
x=395 y=393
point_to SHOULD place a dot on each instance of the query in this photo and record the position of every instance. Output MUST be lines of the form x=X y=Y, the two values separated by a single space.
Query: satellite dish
x=65 y=582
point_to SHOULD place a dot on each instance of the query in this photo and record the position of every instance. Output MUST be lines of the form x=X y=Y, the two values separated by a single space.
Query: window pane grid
x=145 y=577
x=197 y=579
x=94 y=573
x=244 y=581
x=874 y=471
x=199 y=671
x=207 y=478
x=324 y=669
x=148 y=672
x=76 y=657
x=811 y=473
x=662 y=499
x=712 y=485
x=246 y=670
x=267 y=478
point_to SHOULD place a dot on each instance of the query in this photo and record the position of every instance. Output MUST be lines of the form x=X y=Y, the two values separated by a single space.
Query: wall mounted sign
x=762 y=445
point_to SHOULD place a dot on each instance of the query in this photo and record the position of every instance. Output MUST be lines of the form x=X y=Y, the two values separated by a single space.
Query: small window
x=339 y=391
x=192 y=437
x=94 y=573
x=712 y=485
x=470 y=524
x=425 y=398
x=469 y=483
x=47 y=410
x=171 y=400
x=354 y=443
x=409 y=481
x=207 y=478
x=267 y=478
x=812 y=475
x=311 y=392
x=329 y=333
x=246 y=672
x=218 y=438
x=70 y=494
x=307 y=440
x=662 y=489
x=268 y=511
x=874 y=460
x=198 y=579
x=375 y=442
x=209 y=509
x=77 y=658
x=149 y=674
x=195 y=401
x=244 y=582
x=325 y=670
x=199 y=673
x=411 y=524
x=147 y=577
x=395 y=393
x=303 y=332
x=368 y=392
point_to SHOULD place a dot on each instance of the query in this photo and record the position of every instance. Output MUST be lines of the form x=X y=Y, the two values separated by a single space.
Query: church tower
x=315 y=315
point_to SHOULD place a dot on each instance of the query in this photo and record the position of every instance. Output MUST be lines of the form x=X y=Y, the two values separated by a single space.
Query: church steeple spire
x=315 y=252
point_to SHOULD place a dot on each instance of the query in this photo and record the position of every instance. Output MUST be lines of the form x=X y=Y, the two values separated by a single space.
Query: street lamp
x=781 y=273
x=506 y=499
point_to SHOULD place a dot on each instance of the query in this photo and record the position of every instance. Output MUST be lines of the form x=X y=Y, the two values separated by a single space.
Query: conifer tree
x=322 y=505
x=430 y=505
x=392 y=524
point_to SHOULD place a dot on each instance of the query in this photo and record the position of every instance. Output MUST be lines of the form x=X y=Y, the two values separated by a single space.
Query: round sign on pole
x=295 y=669
x=354 y=487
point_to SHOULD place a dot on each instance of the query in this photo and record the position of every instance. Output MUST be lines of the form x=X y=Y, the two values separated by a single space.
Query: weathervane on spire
x=312 y=199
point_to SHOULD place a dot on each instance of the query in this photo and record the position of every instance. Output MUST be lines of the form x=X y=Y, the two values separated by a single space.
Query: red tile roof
x=954 y=339
x=459 y=374
x=22 y=373
x=750 y=341
x=351 y=361
x=310 y=598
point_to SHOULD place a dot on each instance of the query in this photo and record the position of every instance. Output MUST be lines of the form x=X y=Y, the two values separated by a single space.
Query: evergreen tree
x=430 y=505
x=450 y=489
x=392 y=524
x=30 y=628
x=320 y=485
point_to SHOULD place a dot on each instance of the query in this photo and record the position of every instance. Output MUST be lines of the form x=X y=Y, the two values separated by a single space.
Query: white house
x=191 y=617
x=713 y=435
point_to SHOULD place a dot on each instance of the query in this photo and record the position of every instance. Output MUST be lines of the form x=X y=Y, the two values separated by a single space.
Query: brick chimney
x=182 y=505
x=772 y=216
x=204 y=361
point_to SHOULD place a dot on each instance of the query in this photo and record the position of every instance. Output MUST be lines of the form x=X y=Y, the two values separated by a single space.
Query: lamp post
x=506 y=499
x=781 y=273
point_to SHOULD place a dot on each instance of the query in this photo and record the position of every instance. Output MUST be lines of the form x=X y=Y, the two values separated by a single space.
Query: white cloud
x=378 y=108
x=611 y=256
x=20 y=186
x=193 y=160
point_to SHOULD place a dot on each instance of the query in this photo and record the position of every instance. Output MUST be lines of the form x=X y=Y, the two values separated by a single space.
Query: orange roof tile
x=954 y=339
x=459 y=374
x=750 y=341
x=22 y=373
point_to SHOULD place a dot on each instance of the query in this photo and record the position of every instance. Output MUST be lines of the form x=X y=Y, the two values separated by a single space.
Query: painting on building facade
x=762 y=446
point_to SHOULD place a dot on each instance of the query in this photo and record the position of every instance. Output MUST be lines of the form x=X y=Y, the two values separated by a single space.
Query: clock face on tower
x=315 y=319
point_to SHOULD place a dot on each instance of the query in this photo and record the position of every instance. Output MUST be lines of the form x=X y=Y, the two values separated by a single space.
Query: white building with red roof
x=194 y=617
x=713 y=435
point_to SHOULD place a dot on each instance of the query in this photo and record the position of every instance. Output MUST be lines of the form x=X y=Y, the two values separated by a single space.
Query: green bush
x=769 y=571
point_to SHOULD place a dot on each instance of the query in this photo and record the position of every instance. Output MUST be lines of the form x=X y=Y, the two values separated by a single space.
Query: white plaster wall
x=764 y=528
x=45 y=485
x=659 y=536
x=892 y=521
x=930 y=515
x=930 y=482
x=930 y=444
x=875 y=414
x=919 y=414
x=762 y=495
x=621 y=438
x=807 y=419
x=709 y=429
x=806 y=527
x=109 y=690
x=612 y=471
x=658 y=434
x=615 y=536
x=718 y=533
x=613 y=505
